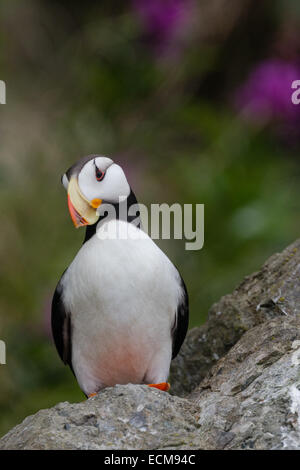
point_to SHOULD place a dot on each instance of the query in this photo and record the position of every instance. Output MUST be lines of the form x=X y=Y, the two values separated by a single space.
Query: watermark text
x=296 y=94
x=2 y=92
x=161 y=221
x=2 y=352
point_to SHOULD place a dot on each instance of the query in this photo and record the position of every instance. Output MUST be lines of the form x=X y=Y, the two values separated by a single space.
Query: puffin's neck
x=120 y=215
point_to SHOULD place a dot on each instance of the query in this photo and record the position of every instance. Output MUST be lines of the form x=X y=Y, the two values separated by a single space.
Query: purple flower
x=266 y=94
x=163 y=19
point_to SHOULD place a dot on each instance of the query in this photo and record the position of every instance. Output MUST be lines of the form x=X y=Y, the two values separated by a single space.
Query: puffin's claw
x=164 y=386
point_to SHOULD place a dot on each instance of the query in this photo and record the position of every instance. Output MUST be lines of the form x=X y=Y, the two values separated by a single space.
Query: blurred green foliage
x=84 y=78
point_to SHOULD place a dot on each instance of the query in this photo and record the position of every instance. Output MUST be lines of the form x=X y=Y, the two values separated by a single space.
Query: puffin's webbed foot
x=164 y=386
x=92 y=395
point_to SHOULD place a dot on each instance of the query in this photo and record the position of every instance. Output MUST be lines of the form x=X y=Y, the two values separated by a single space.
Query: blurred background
x=192 y=98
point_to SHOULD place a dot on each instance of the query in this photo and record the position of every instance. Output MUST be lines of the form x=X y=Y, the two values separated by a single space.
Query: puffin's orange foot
x=164 y=386
x=92 y=395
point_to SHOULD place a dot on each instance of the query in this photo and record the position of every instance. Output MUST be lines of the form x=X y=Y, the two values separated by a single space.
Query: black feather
x=181 y=322
x=61 y=327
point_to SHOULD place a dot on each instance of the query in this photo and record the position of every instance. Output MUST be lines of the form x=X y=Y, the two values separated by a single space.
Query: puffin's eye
x=99 y=174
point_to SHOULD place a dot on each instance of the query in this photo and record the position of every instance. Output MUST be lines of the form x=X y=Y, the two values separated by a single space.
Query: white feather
x=113 y=186
x=123 y=296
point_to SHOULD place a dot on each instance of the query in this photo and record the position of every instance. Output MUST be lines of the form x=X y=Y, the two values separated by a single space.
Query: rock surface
x=272 y=292
x=239 y=375
x=122 y=417
x=251 y=399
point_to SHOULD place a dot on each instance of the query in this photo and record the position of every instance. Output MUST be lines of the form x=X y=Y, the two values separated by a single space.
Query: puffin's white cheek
x=114 y=186
x=87 y=182
x=90 y=188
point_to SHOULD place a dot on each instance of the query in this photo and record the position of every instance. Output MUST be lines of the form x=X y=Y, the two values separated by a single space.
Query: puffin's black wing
x=61 y=327
x=181 y=322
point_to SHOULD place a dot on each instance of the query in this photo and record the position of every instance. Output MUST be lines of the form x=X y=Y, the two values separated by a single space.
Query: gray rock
x=240 y=374
x=122 y=417
x=269 y=293
x=251 y=398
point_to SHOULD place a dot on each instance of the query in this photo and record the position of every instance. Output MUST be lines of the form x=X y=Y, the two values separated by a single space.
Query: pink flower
x=266 y=94
x=163 y=19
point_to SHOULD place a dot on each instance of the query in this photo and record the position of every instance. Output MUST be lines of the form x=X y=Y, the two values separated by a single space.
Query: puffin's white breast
x=122 y=295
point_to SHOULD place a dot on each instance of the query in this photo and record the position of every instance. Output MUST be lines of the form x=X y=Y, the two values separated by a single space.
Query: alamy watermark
x=2 y=352
x=296 y=94
x=160 y=221
x=2 y=92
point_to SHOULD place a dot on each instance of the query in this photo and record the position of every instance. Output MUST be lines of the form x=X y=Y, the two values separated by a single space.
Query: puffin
x=120 y=310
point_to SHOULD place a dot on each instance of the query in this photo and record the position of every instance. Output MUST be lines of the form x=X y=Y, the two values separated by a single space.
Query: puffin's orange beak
x=82 y=211
x=78 y=220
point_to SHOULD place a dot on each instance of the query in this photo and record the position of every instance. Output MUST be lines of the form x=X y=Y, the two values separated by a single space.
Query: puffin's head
x=90 y=181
